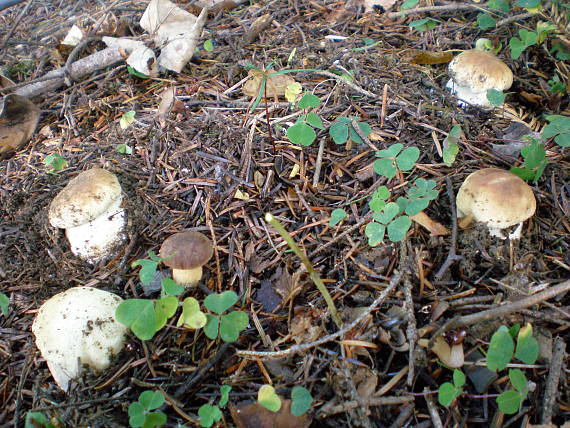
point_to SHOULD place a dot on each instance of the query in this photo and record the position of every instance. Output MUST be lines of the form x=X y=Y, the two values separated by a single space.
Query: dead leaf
x=5 y=82
x=165 y=106
x=267 y=297
x=18 y=120
x=74 y=36
x=304 y=327
x=275 y=87
x=282 y=282
x=429 y=58
x=140 y=57
x=254 y=415
x=435 y=228
x=365 y=381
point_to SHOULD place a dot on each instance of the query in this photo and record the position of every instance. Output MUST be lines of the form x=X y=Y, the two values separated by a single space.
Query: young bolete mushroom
x=186 y=253
x=89 y=209
x=497 y=198
x=474 y=72
x=78 y=327
x=18 y=120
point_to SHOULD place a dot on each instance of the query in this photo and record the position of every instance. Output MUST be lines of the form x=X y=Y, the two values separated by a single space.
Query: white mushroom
x=474 y=72
x=78 y=327
x=497 y=198
x=89 y=208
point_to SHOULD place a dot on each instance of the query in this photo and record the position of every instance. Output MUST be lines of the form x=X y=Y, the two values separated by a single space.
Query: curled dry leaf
x=254 y=415
x=165 y=106
x=140 y=57
x=435 y=228
x=451 y=356
x=275 y=87
x=18 y=120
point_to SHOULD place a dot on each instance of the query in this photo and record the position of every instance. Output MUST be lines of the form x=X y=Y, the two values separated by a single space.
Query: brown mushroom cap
x=186 y=250
x=480 y=71
x=495 y=197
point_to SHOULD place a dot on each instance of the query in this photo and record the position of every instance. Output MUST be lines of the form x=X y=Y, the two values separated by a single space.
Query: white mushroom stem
x=467 y=96
x=95 y=240
x=517 y=233
x=188 y=277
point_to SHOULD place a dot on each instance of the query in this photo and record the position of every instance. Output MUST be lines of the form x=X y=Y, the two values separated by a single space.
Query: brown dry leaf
x=282 y=282
x=435 y=228
x=18 y=120
x=429 y=58
x=165 y=106
x=365 y=381
x=254 y=415
x=267 y=297
x=5 y=82
x=275 y=87
x=304 y=328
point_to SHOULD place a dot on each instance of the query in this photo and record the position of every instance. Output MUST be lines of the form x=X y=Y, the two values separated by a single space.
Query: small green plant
x=496 y=97
x=302 y=132
x=559 y=128
x=228 y=326
x=424 y=24
x=337 y=215
x=451 y=145
x=535 y=161
x=268 y=398
x=124 y=149
x=301 y=399
x=4 y=302
x=209 y=45
x=37 y=420
x=342 y=130
x=450 y=391
x=211 y=413
x=556 y=85
x=386 y=220
x=141 y=412
x=134 y=72
x=192 y=317
x=56 y=162
x=395 y=157
x=127 y=119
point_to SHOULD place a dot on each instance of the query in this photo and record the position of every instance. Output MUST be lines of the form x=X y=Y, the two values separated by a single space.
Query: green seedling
x=496 y=97
x=342 y=130
x=134 y=72
x=210 y=413
x=337 y=215
x=268 y=398
x=451 y=145
x=4 y=302
x=301 y=401
x=124 y=149
x=141 y=412
x=395 y=157
x=560 y=51
x=228 y=326
x=559 y=128
x=56 y=162
x=535 y=161
x=419 y=196
x=192 y=317
x=170 y=288
x=424 y=24
x=127 y=119
x=144 y=316
x=209 y=45
x=148 y=267
x=556 y=85
x=302 y=132
x=37 y=420
x=448 y=391
x=525 y=40
x=387 y=221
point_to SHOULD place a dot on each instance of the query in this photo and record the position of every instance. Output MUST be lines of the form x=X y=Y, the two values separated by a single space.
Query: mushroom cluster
x=474 y=72
x=89 y=209
x=186 y=253
x=497 y=198
x=78 y=327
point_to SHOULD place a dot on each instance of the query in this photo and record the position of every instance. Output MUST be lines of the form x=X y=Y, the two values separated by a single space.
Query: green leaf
x=301 y=134
x=267 y=397
x=414 y=206
x=301 y=400
x=495 y=97
x=450 y=153
x=381 y=193
x=534 y=154
x=485 y=21
x=56 y=162
x=375 y=233
x=407 y=159
x=151 y=400
x=509 y=402
x=528 y=3
x=313 y=119
x=527 y=346
x=458 y=378
x=136 y=414
x=408 y=4
x=154 y=419
x=525 y=174
x=232 y=324
x=218 y=303
x=398 y=229
x=376 y=205
x=390 y=210
x=211 y=328
x=501 y=5
x=164 y=308
x=309 y=101
x=191 y=316
x=127 y=119
x=390 y=152
x=385 y=167
x=500 y=350
x=517 y=47
x=134 y=72
x=171 y=288
x=558 y=125
x=339 y=132
x=446 y=394
x=37 y=420
x=518 y=379
x=425 y=24
x=225 y=395
x=337 y=216
x=563 y=140
x=148 y=269
x=209 y=415
x=4 y=302
x=365 y=129
x=124 y=149
x=209 y=45
x=139 y=315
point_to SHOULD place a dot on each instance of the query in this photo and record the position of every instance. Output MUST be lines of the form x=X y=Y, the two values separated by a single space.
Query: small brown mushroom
x=497 y=198
x=186 y=253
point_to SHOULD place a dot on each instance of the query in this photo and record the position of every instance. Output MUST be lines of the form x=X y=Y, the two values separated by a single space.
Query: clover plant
x=56 y=162
x=38 y=420
x=301 y=399
x=302 y=132
x=559 y=128
x=342 y=130
x=451 y=145
x=535 y=161
x=337 y=215
x=210 y=413
x=395 y=157
x=141 y=412
x=449 y=391
x=227 y=326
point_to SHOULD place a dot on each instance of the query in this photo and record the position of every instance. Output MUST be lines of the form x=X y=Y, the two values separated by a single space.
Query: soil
x=214 y=167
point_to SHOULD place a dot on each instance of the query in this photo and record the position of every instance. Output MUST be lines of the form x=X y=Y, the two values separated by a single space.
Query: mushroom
x=497 y=198
x=474 y=72
x=89 y=209
x=186 y=253
x=78 y=327
x=18 y=120
x=450 y=355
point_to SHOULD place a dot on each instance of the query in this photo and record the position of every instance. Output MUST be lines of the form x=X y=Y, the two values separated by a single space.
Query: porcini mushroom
x=89 y=209
x=497 y=198
x=186 y=253
x=474 y=72
x=78 y=327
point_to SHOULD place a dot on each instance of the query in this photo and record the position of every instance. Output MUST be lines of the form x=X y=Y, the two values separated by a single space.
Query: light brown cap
x=495 y=197
x=85 y=198
x=480 y=71
x=186 y=250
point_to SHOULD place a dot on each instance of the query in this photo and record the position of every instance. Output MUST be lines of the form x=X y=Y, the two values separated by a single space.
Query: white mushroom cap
x=496 y=197
x=474 y=72
x=85 y=198
x=77 y=327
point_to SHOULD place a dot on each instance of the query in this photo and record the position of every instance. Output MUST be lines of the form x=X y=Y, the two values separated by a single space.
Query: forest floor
x=212 y=165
